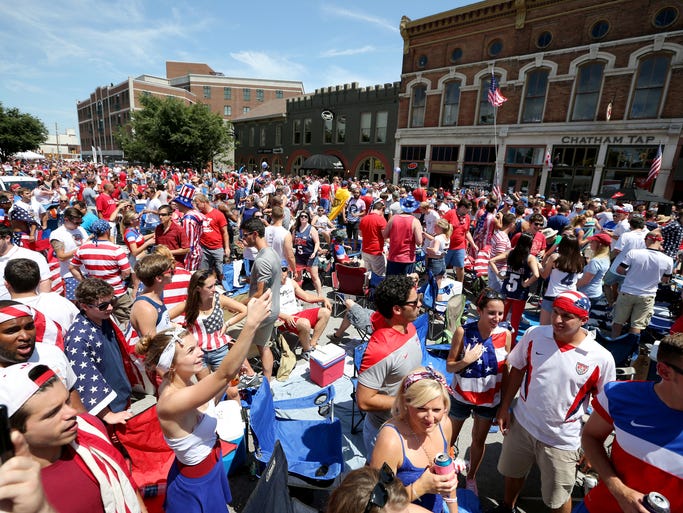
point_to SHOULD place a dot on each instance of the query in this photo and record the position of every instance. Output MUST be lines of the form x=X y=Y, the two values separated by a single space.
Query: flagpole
x=496 y=181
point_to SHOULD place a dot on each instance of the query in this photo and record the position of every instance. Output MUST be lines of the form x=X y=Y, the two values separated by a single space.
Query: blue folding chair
x=305 y=426
x=358 y=352
x=433 y=354
x=624 y=349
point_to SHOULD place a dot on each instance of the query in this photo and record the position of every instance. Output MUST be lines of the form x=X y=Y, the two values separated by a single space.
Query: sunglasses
x=411 y=303
x=102 y=307
x=491 y=294
x=379 y=495
x=169 y=272
x=538 y=224
x=161 y=214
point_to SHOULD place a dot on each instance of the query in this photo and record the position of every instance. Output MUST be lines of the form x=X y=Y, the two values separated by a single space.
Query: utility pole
x=59 y=150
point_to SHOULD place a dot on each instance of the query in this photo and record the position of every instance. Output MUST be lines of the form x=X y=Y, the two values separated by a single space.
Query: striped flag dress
x=208 y=329
x=192 y=222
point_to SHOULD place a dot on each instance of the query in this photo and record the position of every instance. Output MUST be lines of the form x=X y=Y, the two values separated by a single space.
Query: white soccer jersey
x=558 y=383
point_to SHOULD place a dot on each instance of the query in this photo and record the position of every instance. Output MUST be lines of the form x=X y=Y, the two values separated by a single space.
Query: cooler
x=327 y=364
x=230 y=430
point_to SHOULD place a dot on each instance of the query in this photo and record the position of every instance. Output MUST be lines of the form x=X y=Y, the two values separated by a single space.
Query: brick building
x=563 y=65
x=110 y=107
x=354 y=124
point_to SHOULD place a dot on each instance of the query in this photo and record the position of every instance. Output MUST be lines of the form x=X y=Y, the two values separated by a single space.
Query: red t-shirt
x=371 y=227
x=105 y=205
x=212 y=234
x=368 y=200
x=174 y=238
x=537 y=245
x=419 y=194
x=460 y=228
x=324 y=191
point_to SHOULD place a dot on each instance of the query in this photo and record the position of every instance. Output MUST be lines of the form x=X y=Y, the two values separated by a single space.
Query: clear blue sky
x=53 y=53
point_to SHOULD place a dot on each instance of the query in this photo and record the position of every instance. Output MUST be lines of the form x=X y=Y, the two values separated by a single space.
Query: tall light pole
x=59 y=150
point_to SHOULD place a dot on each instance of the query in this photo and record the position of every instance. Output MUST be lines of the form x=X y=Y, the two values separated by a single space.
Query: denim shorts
x=462 y=411
x=455 y=258
x=437 y=266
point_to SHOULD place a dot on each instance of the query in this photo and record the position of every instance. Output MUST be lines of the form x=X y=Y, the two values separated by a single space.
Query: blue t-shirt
x=597 y=267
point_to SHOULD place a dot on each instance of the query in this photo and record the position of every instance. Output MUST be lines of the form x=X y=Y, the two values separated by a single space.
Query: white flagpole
x=497 y=180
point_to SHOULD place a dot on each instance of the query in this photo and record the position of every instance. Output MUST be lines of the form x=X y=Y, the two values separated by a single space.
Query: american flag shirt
x=208 y=329
x=192 y=222
x=96 y=356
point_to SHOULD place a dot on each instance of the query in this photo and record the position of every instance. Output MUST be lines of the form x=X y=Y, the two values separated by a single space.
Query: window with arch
x=486 y=110
x=649 y=86
x=587 y=91
x=418 y=107
x=451 y=103
x=534 y=96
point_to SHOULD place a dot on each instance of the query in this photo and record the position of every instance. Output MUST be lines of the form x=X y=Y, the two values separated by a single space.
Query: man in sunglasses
x=647 y=452
x=65 y=240
x=393 y=351
x=536 y=223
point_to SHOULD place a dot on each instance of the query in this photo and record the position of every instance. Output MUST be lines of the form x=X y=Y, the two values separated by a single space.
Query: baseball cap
x=424 y=180
x=17 y=387
x=15 y=187
x=602 y=238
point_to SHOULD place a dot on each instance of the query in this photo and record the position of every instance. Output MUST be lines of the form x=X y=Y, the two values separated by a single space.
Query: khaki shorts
x=636 y=309
x=263 y=336
x=558 y=466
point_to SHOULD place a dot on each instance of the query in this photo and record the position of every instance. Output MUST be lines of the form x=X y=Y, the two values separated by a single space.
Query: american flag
x=495 y=98
x=496 y=191
x=548 y=160
x=656 y=165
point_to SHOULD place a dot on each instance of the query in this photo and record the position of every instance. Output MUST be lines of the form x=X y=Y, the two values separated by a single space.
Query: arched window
x=534 y=96
x=419 y=104
x=649 y=85
x=587 y=91
x=451 y=103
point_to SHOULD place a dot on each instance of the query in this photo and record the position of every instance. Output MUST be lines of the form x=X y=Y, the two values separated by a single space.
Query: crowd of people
x=120 y=274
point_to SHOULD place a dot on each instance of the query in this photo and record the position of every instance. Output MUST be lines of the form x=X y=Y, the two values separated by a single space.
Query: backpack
x=284 y=359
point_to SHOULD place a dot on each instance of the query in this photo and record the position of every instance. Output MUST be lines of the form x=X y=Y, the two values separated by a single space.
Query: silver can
x=655 y=502
x=589 y=482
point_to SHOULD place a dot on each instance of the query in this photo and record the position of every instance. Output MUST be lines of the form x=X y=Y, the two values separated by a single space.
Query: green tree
x=19 y=132
x=167 y=129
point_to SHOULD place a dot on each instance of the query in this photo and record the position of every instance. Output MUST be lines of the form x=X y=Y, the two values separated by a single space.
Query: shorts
x=637 y=310
x=463 y=411
x=611 y=278
x=311 y=314
x=394 y=268
x=455 y=258
x=214 y=357
x=437 y=266
x=547 y=304
x=307 y=262
x=558 y=466
x=359 y=317
x=375 y=263
x=263 y=336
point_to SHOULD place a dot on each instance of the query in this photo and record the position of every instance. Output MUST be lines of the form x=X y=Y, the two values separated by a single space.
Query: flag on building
x=495 y=98
x=608 y=114
x=94 y=154
x=548 y=160
x=656 y=166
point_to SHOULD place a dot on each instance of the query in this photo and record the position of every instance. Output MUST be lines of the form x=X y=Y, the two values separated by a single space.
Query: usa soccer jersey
x=557 y=384
x=647 y=452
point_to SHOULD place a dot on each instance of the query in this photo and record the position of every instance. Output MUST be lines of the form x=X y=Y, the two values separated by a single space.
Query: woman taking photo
x=418 y=430
x=306 y=248
x=438 y=246
x=136 y=243
x=561 y=267
x=522 y=271
x=477 y=359
x=186 y=410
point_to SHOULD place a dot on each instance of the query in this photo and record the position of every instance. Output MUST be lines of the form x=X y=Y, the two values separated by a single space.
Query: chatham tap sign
x=608 y=139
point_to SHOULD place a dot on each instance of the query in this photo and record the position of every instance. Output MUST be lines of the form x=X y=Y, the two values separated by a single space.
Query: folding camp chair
x=358 y=351
x=310 y=436
x=434 y=354
x=624 y=349
x=347 y=280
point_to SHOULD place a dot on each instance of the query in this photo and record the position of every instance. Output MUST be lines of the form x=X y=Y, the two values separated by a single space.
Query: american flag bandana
x=13 y=311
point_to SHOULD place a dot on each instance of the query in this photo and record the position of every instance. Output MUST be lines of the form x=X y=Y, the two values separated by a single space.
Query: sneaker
x=249 y=381
x=334 y=338
x=471 y=485
x=306 y=355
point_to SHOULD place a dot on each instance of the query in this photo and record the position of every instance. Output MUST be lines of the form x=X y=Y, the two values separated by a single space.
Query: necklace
x=422 y=445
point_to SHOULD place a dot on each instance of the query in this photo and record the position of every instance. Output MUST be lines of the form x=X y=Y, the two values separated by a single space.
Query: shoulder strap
x=398 y=433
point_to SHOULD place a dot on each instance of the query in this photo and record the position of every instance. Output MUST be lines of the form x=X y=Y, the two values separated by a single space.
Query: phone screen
x=6 y=446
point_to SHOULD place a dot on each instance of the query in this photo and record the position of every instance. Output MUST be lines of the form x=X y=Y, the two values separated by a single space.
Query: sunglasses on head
x=490 y=294
x=379 y=495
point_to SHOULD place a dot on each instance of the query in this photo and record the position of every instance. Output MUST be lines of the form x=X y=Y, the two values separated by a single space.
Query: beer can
x=443 y=464
x=589 y=482
x=655 y=502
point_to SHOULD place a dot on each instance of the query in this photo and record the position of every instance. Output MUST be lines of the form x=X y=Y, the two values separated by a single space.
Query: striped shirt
x=176 y=291
x=192 y=222
x=207 y=328
x=103 y=260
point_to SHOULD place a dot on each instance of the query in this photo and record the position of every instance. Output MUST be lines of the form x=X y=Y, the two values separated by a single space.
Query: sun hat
x=409 y=204
x=184 y=197
x=548 y=232
x=16 y=387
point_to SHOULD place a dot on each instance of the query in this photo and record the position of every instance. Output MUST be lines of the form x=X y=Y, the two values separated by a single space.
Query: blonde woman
x=438 y=246
x=418 y=430
x=186 y=410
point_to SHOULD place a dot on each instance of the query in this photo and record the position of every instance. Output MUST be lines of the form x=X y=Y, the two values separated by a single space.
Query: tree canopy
x=167 y=129
x=19 y=132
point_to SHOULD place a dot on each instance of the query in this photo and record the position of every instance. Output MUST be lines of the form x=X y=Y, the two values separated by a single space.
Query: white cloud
x=348 y=51
x=382 y=23
x=260 y=64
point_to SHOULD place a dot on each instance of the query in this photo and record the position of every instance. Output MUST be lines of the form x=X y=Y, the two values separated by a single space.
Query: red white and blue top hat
x=185 y=195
